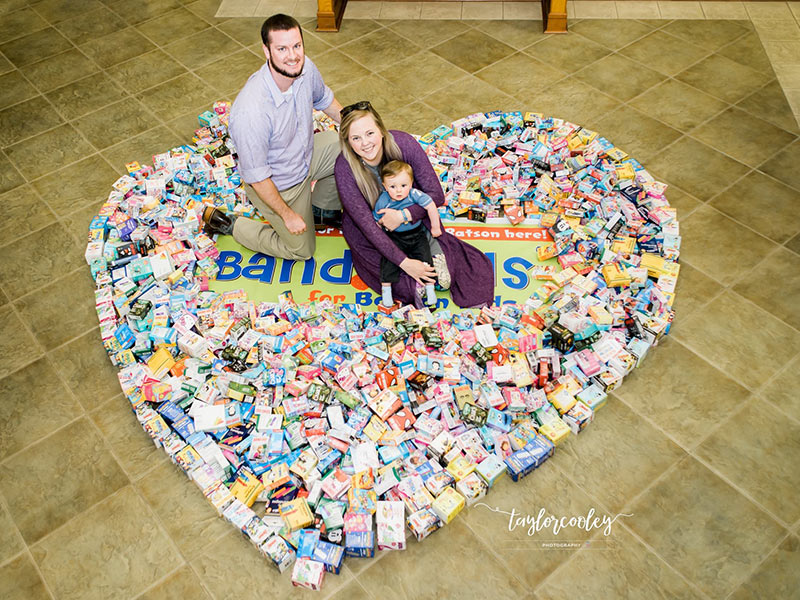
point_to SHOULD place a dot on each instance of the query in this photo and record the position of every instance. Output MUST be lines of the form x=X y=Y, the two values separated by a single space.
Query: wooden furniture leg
x=554 y=14
x=329 y=14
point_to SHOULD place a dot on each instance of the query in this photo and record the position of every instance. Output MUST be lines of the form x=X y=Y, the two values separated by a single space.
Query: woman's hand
x=391 y=218
x=421 y=272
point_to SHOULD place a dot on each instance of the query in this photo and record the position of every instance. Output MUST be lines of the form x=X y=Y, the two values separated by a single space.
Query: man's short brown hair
x=279 y=22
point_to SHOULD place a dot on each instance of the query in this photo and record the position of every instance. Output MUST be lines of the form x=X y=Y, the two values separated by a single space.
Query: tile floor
x=701 y=445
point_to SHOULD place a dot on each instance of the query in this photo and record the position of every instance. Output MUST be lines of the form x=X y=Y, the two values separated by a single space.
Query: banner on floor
x=330 y=274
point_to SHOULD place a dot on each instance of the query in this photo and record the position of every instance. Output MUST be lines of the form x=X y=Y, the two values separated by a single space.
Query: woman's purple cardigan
x=471 y=271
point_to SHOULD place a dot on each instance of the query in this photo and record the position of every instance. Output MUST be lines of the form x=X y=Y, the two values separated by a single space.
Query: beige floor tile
x=135 y=550
x=37 y=259
x=683 y=202
x=84 y=183
x=15 y=336
x=352 y=591
x=258 y=578
x=468 y=95
x=189 y=519
x=777 y=30
x=677 y=104
x=472 y=50
x=759 y=454
x=305 y=8
x=567 y=53
x=482 y=10
x=429 y=33
x=175 y=97
x=788 y=76
x=708 y=34
x=694 y=290
x=523 y=11
x=619 y=77
x=236 y=8
x=664 y=53
x=782 y=389
x=36 y=403
x=636 y=133
x=193 y=52
x=768 y=10
x=417 y=118
x=749 y=51
x=742 y=136
x=730 y=331
x=50 y=150
x=266 y=8
x=770 y=103
x=785 y=53
x=25 y=212
x=684 y=532
x=680 y=392
x=612 y=33
x=229 y=74
x=85 y=367
x=724 y=78
x=43 y=493
x=519 y=34
x=795 y=8
x=618 y=445
x=20 y=581
x=763 y=204
x=373 y=50
x=775 y=285
x=520 y=74
x=181 y=584
x=401 y=10
x=678 y=164
x=527 y=552
x=142 y=147
x=132 y=447
x=780 y=166
x=572 y=100
x=439 y=564
x=418 y=76
x=599 y=9
x=20 y=23
x=618 y=567
x=736 y=249
x=777 y=577
x=681 y=10
x=24 y=120
x=724 y=10
x=440 y=10
x=363 y=10
x=10 y=541
x=638 y=10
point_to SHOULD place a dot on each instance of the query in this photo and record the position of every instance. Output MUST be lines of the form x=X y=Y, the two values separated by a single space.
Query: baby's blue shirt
x=414 y=197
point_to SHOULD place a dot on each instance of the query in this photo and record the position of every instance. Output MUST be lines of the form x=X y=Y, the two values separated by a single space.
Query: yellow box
x=161 y=362
x=448 y=504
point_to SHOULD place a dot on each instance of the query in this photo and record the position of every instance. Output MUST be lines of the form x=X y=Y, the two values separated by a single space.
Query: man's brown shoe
x=217 y=221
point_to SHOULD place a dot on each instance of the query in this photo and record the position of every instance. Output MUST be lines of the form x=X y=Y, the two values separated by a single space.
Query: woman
x=366 y=145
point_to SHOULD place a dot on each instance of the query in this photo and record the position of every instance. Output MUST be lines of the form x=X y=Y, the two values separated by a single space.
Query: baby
x=398 y=178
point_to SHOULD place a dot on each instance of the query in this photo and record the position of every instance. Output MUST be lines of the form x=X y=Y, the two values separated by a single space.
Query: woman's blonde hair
x=365 y=179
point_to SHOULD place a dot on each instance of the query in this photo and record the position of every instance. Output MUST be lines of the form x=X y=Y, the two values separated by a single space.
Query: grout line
x=753 y=570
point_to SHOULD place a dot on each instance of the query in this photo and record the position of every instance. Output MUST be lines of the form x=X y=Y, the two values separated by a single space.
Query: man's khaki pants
x=274 y=239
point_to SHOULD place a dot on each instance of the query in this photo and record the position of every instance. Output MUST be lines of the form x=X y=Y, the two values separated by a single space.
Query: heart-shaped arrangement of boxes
x=321 y=430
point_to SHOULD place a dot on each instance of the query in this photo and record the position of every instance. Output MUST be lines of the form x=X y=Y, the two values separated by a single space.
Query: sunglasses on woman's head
x=363 y=105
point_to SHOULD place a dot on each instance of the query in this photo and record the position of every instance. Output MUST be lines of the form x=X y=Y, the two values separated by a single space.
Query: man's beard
x=280 y=71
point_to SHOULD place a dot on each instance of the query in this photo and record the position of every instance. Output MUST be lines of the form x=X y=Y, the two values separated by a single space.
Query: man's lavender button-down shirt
x=273 y=132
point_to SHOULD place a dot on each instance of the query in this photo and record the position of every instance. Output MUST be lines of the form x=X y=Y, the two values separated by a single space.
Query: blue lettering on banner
x=261 y=268
x=519 y=278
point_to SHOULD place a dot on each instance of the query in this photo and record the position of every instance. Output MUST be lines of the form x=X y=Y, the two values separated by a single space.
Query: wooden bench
x=330 y=13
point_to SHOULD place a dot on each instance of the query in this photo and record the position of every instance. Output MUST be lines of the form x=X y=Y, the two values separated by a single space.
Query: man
x=271 y=125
